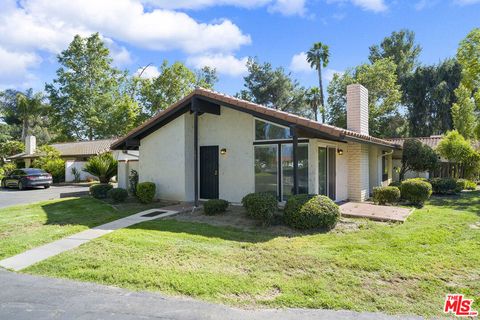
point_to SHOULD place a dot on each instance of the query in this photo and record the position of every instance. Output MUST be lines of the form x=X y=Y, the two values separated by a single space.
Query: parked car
x=27 y=178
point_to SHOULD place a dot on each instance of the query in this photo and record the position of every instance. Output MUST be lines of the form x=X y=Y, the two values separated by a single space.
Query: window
x=266 y=168
x=384 y=167
x=322 y=171
x=269 y=131
x=287 y=169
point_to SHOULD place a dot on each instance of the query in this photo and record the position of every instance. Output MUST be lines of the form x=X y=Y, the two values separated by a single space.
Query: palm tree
x=318 y=56
x=312 y=97
x=30 y=107
x=103 y=166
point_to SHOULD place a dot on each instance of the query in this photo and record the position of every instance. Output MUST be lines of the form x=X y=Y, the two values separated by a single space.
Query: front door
x=209 y=172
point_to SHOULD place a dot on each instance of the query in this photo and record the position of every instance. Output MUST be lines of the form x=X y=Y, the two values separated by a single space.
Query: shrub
x=444 y=186
x=133 y=181
x=395 y=184
x=118 y=194
x=100 y=190
x=260 y=206
x=76 y=174
x=384 y=195
x=416 y=191
x=9 y=167
x=56 y=167
x=102 y=166
x=464 y=184
x=146 y=191
x=308 y=212
x=215 y=206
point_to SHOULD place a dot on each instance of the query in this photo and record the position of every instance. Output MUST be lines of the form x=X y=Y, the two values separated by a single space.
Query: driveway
x=10 y=197
x=25 y=296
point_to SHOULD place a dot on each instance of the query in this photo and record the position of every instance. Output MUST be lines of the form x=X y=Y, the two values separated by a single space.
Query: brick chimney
x=357 y=108
x=30 y=144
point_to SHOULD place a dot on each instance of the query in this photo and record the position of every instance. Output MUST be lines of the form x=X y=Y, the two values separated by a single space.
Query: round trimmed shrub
x=215 y=206
x=464 y=184
x=260 y=206
x=384 y=195
x=445 y=186
x=308 y=212
x=395 y=184
x=100 y=190
x=416 y=191
x=146 y=191
x=118 y=194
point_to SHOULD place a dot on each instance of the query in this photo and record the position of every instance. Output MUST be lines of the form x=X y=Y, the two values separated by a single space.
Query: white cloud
x=369 y=5
x=299 y=63
x=285 y=7
x=14 y=66
x=224 y=63
x=147 y=72
x=329 y=73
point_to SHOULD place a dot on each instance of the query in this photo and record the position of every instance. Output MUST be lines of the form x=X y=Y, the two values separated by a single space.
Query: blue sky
x=222 y=33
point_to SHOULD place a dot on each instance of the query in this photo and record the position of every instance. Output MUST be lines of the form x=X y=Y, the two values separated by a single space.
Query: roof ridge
x=71 y=142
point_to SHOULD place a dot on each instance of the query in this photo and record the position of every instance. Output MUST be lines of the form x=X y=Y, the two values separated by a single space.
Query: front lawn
x=27 y=226
x=394 y=268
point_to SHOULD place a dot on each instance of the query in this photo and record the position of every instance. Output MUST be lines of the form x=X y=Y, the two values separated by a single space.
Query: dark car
x=27 y=178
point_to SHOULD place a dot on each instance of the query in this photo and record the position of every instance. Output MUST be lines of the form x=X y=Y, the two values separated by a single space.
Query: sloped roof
x=259 y=110
x=74 y=149
x=431 y=141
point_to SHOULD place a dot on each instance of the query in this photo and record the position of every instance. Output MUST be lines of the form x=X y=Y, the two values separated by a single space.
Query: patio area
x=371 y=211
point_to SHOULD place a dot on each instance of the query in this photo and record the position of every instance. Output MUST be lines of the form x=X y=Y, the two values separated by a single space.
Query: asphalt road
x=10 y=197
x=24 y=296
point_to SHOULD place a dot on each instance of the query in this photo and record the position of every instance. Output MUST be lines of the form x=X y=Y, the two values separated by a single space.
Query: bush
x=102 y=166
x=118 y=194
x=9 y=167
x=308 y=212
x=384 y=195
x=464 y=184
x=146 y=191
x=416 y=191
x=260 y=206
x=444 y=186
x=215 y=206
x=395 y=184
x=56 y=167
x=133 y=181
x=100 y=191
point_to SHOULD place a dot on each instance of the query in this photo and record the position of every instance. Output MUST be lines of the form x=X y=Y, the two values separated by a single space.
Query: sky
x=222 y=33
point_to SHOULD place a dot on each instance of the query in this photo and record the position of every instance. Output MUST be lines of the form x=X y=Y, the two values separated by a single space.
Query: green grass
x=395 y=268
x=27 y=226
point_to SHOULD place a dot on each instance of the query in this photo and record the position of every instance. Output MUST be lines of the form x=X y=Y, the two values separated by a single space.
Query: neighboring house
x=444 y=168
x=209 y=145
x=75 y=154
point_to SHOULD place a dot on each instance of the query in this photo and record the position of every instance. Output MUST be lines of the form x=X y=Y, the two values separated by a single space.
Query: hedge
x=384 y=195
x=260 y=206
x=215 y=206
x=416 y=191
x=100 y=190
x=118 y=194
x=311 y=211
x=146 y=191
x=444 y=186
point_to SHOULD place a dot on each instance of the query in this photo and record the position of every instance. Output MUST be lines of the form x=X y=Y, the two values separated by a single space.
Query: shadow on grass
x=466 y=201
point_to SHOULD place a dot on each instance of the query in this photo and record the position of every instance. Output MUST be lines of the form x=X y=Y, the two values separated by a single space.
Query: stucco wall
x=232 y=130
x=162 y=160
x=79 y=165
x=124 y=169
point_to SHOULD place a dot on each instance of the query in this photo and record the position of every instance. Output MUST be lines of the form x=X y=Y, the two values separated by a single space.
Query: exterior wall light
x=340 y=151
x=223 y=151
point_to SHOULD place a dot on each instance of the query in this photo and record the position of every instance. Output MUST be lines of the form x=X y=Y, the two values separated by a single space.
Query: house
x=210 y=145
x=75 y=154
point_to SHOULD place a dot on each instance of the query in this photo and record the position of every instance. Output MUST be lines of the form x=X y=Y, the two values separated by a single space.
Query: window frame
x=272 y=123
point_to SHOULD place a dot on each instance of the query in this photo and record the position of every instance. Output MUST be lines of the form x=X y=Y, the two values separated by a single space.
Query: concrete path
x=27 y=297
x=29 y=257
x=375 y=212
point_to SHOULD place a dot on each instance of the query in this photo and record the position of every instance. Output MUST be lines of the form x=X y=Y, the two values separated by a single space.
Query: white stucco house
x=210 y=145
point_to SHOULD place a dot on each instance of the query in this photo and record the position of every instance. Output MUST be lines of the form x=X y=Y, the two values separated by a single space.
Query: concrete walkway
x=30 y=257
x=375 y=212
x=28 y=297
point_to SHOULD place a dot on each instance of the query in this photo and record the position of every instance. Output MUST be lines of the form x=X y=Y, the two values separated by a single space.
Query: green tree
x=318 y=57
x=468 y=55
x=173 y=83
x=102 y=166
x=428 y=97
x=400 y=46
x=51 y=162
x=88 y=90
x=312 y=97
x=383 y=96
x=417 y=157
x=463 y=113
x=10 y=148
x=456 y=149
x=29 y=106
x=273 y=88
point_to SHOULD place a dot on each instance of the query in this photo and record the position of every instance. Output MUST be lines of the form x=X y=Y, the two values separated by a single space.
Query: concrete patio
x=371 y=211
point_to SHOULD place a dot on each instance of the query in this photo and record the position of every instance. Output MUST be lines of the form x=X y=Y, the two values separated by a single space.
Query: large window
x=268 y=131
x=384 y=167
x=322 y=171
x=266 y=168
x=274 y=169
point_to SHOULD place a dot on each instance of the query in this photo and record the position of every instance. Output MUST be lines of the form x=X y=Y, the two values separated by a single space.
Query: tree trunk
x=320 y=85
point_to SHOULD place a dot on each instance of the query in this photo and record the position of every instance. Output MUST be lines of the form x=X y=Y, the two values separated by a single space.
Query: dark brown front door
x=209 y=172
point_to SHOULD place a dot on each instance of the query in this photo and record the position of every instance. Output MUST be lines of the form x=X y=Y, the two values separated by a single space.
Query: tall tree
x=312 y=99
x=173 y=83
x=429 y=95
x=273 y=88
x=463 y=113
x=468 y=55
x=400 y=46
x=88 y=97
x=29 y=106
x=318 y=57
x=383 y=97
